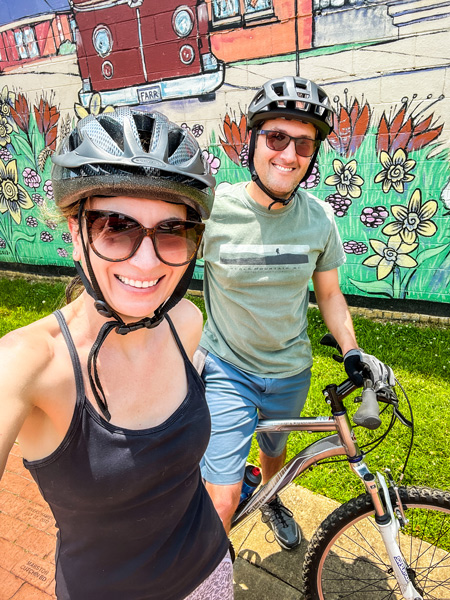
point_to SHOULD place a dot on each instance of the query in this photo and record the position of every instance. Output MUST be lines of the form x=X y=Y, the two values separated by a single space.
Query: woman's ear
x=77 y=252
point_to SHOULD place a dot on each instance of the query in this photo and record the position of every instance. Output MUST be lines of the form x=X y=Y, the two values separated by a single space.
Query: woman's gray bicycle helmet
x=131 y=153
x=290 y=98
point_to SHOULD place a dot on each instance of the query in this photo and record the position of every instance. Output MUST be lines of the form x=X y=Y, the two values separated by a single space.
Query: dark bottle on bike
x=252 y=478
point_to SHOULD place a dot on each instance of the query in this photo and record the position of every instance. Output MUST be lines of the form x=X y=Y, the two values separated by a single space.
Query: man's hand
x=360 y=366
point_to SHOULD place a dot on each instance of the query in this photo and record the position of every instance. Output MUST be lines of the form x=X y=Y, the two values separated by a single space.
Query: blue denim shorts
x=236 y=400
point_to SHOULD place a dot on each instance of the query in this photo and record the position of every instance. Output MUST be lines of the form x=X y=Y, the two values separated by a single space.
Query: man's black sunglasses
x=278 y=141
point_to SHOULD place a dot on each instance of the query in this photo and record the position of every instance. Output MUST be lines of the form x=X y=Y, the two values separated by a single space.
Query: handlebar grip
x=368 y=414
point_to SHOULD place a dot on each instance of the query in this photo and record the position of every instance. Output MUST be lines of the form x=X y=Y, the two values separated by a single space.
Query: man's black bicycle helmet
x=290 y=98
x=137 y=154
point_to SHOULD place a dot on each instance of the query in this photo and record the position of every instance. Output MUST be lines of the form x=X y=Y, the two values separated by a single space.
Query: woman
x=102 y=397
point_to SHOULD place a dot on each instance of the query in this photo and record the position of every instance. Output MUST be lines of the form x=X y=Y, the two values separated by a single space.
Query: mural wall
x=385 y=169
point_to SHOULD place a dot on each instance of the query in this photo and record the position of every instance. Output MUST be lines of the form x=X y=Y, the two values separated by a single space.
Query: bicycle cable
x=405 y=464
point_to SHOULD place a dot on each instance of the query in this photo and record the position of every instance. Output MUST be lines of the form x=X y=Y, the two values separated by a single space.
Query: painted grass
x=420 y=357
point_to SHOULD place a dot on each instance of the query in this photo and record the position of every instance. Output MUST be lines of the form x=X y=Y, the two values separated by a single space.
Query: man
x=264 y=241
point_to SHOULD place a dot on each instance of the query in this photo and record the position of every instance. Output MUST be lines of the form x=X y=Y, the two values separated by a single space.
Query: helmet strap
x=117 y=323
x=259 y=183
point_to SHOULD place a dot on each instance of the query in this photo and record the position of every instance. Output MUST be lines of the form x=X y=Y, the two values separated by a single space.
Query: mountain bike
x=391 y=541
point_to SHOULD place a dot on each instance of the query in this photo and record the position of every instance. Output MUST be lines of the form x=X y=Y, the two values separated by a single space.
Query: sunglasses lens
x=113 y=236
x=277 y=141
x=305 y=147
x=116 y=237
x=176 y=242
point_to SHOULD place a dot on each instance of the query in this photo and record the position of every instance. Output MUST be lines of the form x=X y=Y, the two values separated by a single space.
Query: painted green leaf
x=23 y=147
x=373 y=287
x=430 y=252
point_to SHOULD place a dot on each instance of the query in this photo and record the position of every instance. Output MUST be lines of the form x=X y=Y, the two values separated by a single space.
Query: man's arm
x=337 y=318
x=334 y=309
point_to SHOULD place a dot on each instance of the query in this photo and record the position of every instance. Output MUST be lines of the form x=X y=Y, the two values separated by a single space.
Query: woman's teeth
x=136 y=283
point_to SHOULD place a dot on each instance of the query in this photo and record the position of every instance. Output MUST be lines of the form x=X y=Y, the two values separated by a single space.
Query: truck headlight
x=183 y=21
x=102 y=40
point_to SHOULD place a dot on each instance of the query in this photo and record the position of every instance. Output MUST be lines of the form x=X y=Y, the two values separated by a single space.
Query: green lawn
x=419 y=355
x=420 y=358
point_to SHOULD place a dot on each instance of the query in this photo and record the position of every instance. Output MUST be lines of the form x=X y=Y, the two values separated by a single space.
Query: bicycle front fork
x=389 y=524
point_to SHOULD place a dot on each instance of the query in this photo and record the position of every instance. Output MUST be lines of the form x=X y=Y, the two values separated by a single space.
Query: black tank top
x=134 y=519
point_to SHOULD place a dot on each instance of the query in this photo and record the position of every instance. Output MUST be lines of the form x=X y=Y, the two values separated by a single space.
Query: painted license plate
x=151 y=93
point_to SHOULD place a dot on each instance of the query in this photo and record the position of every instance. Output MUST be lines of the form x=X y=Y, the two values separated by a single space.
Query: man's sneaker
x=280 y=520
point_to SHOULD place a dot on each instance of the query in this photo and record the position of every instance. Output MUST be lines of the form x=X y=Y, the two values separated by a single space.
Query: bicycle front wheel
x=346 y=557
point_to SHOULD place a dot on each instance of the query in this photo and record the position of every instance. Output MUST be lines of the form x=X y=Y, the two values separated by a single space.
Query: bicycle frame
x=343 y=442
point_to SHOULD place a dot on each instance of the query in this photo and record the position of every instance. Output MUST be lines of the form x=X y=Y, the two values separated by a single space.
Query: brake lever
x=403 y=420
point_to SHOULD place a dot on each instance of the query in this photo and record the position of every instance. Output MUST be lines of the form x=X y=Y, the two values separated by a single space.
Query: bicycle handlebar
x=368 y=414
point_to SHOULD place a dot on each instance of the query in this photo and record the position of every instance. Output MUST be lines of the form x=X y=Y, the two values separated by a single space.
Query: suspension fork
x=389 y=524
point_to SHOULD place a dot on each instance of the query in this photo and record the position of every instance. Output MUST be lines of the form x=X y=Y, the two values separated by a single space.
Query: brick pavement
x=27 y=536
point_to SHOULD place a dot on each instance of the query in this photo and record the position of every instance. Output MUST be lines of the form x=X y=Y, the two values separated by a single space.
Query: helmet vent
x=279 y=90
x=114 y=129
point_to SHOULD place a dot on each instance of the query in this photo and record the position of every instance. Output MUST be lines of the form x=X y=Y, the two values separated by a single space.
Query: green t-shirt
x=258 y=264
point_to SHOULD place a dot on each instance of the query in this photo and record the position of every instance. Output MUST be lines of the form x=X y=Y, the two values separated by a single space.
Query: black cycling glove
x=359 y=366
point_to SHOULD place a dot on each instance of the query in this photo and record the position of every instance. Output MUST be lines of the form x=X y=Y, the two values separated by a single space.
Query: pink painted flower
x=313 y=179
x=31 y=178
x=48 y=189
x=214 y=161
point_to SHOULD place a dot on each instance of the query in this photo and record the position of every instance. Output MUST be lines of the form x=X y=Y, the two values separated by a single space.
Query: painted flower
x=51 y=224
x=313 y=179
x=66 y=237
x=46 y=236
x=350 y=125
x=5 y=154
x=394 y=253
x=373 y=216
x=31 y=178
x=197 y=130
x=413 y=220
x=354 y=247
x=7 y=100
x=47 y=117
x=5 y=130
x=62 y=252
x=48 y=189
x=395 y=171
x=38 y=199
x=31 y=221
x=214 y=161
x=405 y=131
x=94 y=108
x=339 y=203
x=13 y=198
x=21 y=112
x=345 y=179
x=236 y=139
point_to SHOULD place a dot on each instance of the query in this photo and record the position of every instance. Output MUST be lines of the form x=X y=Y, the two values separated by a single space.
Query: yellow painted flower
x=413 y=220
x=395 y=172
x=5 y=130
x=95 y=107
x=394 y=253
x=7 y=100
x=13 y=197
x=345 y=179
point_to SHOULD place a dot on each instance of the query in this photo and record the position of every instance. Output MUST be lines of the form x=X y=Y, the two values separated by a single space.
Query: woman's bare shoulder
x=188 y=321
x=28 y=350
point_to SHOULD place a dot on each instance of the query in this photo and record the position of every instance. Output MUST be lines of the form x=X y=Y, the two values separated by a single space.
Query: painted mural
x=384 y=170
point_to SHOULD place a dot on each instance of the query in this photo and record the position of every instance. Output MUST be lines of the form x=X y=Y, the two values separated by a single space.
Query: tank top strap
x=177 y=339
x=73 y=354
